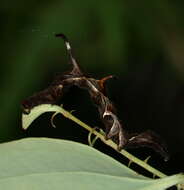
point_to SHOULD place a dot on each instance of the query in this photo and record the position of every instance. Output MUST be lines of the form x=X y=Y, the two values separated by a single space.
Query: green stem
x=110 y=143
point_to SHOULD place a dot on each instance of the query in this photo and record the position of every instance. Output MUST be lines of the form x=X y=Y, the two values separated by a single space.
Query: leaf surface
x=43 y=163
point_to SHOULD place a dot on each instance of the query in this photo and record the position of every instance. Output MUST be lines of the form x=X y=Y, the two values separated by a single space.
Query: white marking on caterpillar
x=68 y=46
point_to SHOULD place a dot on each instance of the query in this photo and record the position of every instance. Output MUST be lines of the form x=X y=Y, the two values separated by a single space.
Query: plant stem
x=110 y=143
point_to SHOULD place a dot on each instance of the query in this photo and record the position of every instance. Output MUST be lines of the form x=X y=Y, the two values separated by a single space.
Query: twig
x=110 y=143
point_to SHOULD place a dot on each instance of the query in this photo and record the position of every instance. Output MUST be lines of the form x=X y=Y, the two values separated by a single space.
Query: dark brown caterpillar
x=96 y=88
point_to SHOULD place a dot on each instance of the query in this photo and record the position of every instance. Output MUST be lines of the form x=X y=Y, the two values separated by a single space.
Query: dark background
x=141 y=42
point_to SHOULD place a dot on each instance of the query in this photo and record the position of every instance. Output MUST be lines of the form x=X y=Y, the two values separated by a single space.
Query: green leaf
x=43 y=163
x=60 y=164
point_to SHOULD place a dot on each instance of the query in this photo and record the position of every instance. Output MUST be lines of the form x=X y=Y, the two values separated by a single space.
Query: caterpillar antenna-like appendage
x=76 y=69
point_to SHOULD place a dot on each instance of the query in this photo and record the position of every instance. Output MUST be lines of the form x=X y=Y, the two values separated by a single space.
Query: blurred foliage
x=140 y=42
